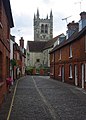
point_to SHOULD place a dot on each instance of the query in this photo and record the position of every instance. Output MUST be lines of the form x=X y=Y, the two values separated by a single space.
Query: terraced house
x=68 y=59
x=6 y=22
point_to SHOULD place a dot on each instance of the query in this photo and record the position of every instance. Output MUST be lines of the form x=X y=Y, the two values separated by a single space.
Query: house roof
x=39 y=46
x=7 y=7
x=72 y=38
x=36 y=46
x=12 y=38
x=51 y=42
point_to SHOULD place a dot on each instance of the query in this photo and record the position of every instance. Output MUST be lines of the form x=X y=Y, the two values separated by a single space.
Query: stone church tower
x=43 y=28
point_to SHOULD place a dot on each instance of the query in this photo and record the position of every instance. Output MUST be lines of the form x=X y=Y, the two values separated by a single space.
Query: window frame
x=70 y=71
x=70 y=51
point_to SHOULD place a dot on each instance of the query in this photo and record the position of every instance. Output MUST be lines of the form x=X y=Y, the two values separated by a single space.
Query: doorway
x=76 y=75
x=63 y=74
x=82 y=76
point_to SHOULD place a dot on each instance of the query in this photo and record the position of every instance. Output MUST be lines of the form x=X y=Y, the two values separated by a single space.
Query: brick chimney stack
x=83 y=15
x=72 y=27
x=22 y=42
x=82 y=21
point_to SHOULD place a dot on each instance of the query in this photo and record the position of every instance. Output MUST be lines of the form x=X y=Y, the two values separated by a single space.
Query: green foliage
x=29 y=70
x=13 y=62
x=28 y=54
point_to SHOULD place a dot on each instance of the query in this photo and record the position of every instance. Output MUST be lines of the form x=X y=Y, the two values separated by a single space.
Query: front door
x=82 y=75
x=76 y=79
x=62 y=73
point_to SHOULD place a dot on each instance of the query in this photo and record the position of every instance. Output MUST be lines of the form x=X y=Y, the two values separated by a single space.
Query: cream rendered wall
x=34 y=56
x=46 y=57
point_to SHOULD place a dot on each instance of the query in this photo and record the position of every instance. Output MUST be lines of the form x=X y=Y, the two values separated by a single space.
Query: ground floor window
x=59 y=71
x=85 y=72
x=70 y=71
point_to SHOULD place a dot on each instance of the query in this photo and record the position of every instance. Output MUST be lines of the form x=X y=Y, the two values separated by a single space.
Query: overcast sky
x=23 y=14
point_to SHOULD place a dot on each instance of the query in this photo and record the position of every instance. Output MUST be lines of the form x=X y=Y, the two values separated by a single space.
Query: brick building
x=19 y=57
x=6 y=22
x=68 y=59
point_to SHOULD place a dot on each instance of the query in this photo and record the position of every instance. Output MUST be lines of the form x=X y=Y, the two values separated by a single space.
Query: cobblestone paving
x=41 y=98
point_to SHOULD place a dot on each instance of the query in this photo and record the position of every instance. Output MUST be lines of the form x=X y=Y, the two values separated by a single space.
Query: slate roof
x=7 y=7
x=51 y=42
x=72 y=38
x=39 y=46
x=36 y=46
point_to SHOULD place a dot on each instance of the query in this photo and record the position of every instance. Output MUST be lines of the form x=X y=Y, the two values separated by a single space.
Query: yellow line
x=8 y=117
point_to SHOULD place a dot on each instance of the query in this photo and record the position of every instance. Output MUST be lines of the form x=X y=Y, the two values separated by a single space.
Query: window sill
x=1 y=25
x=59 y=75
x=59 y=59
x=51 y=74
x=70 y=57
x=70 y=77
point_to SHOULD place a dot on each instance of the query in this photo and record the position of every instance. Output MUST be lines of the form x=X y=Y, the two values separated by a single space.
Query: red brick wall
x=79 y=57
x=5 y=50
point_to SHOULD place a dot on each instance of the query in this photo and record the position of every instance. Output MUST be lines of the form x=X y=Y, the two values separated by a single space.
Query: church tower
x=43 y=28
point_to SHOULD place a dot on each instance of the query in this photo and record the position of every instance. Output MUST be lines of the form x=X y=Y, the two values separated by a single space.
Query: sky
x=23 y=14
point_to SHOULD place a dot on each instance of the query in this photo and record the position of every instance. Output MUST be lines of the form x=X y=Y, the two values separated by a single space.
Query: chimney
x=83 y=15
x=22 y=42
x=72 y=27
x=82 y=22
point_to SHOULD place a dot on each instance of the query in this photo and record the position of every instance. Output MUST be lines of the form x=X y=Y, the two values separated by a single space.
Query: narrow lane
x=41 y=98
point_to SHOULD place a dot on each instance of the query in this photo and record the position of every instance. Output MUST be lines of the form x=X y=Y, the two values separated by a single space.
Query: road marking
x=50 y=108
x=9 y=113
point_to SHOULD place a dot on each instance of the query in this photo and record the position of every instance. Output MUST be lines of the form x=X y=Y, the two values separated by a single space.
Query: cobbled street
x=41 y=98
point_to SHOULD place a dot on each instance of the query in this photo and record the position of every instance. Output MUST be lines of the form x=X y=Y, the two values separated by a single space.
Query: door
x=82 y=72
x=62 y=73
x=76 y=75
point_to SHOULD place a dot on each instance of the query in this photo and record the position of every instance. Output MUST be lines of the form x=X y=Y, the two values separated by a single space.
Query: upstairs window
x=46 y=28
x=70 y=51
x=60 y=56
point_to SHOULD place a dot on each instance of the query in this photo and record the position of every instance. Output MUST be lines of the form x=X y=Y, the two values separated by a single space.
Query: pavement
x=42 y=98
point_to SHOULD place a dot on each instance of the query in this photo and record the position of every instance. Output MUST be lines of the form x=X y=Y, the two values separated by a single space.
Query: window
x=38 y=60
x=17 y=56
x=59 y=71
x=52 y=58
x=70 y=71
x=60 y=55
x=42 y=28
x=85 y=72
x=70 y=51
x=46 y=28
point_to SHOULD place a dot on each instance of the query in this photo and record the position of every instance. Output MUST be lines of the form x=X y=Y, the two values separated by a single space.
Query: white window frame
x=85 y=72
x=70 y=52
x=52 y=58
x=60 y=54
x=70 y=71
x=18 y=56
x=60 y=71
x=85 y=43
